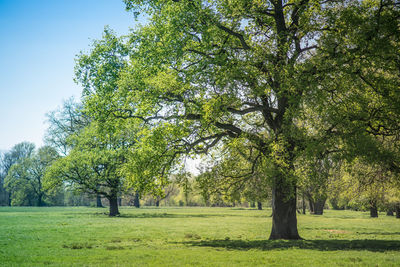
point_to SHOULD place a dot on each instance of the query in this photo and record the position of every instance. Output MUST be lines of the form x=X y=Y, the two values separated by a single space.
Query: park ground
x=81 y=236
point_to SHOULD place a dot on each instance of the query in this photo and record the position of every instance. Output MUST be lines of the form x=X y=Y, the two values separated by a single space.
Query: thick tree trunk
x=113 y=205
x=319 y=206
x=390 y=212
x=136 y=200
x=98 y=201
x=398 y=211
x=157 y=203
x=373 y=210
x=284 y=220
x=259 y=205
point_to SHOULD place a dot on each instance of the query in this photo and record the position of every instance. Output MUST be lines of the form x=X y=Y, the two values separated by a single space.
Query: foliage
x=17 y=153
x=93 y=165
x=63 y=123
x=204 y=74
x=25 y=178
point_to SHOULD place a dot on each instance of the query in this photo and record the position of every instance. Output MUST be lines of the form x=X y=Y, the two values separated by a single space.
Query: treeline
x=339 y=185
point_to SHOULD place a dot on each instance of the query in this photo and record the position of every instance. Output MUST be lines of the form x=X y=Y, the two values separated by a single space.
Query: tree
x=237 y=173
x=25 y=179
x=93 y=164
x=207 y=73
x=369 y=185
x=16 y=154
x=64 y=123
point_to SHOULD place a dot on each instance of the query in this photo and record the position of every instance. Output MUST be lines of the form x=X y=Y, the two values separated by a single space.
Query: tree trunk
x=98 y=201
x=284 y=220
x=113 y=205
x=390 y=212
x=311 y=203
x=40 y=201
x=319 y=206
x=259 y=205
x=136 y=200
x=303 y=202
x=398 y=211
x=373 y=210
x=157 y=203
x=9 y=198
x=120 y=201
x=252 y=204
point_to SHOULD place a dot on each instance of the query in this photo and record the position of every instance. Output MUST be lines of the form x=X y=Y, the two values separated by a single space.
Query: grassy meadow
x=80 y=236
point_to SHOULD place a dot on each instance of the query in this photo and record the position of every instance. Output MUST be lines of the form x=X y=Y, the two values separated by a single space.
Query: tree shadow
x=378 y=233
x=167 y=215
x=321 y=245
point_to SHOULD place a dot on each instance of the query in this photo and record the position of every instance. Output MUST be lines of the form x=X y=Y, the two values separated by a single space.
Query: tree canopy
x=279 y=77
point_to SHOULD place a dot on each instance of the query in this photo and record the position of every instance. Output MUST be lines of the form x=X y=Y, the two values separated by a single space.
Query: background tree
x=65 y=122
x=16 y=154
x=25 y=179
x=93 y=165
x=368 y=186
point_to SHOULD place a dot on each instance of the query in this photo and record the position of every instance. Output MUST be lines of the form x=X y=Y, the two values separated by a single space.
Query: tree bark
x=136 y=200
x=390 y=212
x=398 y=211
x=9 y=199
x=113 y=205
x=373 y=210
x=303 y=203
x=311 y=204
x=40 y=201
x=284 y=220
x=319 y=206
x=157 y=203
x=259 y=205
x=98 y=201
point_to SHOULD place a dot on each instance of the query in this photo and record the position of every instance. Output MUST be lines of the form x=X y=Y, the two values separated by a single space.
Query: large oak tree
x=212 y=72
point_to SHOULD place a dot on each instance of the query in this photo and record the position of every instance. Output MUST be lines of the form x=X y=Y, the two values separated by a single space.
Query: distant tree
x=25 y=178
x=93 y=164
x=368 y=185
x=237 y=175
x=64 y=123
x=184 y=179
x=16 y=154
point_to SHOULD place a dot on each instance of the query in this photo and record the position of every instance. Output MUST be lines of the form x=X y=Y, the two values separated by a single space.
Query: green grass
x=191 y=237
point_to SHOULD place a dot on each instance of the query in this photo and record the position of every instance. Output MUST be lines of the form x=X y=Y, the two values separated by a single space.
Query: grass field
x=78 y=236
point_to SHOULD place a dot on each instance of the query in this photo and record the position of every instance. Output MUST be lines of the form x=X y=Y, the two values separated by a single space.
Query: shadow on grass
x=322 y=245
x=148 y=215
x=168 y=215
x=378 y=233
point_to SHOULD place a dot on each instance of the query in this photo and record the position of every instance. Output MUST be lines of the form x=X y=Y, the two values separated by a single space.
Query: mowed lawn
x=80 y=236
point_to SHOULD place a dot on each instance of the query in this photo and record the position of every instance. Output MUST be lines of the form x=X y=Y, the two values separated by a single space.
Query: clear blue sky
x=38 y=43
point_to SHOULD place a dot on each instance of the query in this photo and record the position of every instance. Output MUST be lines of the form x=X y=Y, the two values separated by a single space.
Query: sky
x=39 y=40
